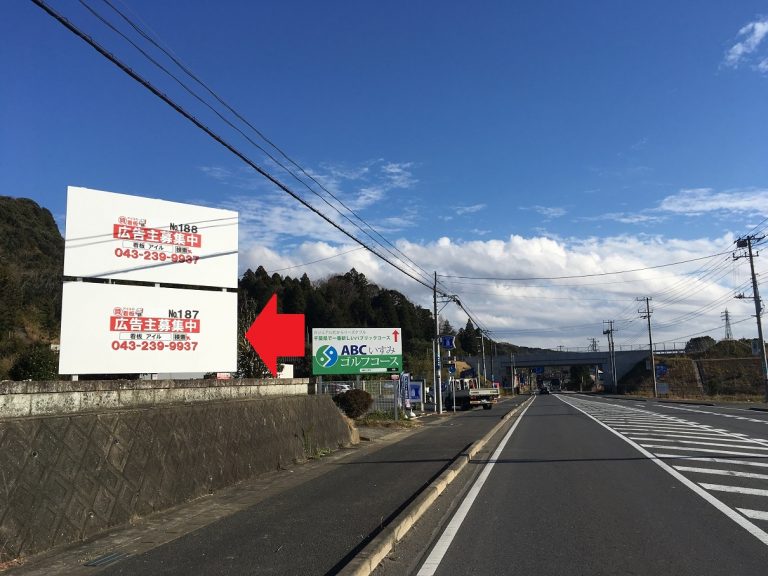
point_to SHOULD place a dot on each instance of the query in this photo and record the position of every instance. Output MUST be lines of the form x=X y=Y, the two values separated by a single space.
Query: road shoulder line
x=371 y=556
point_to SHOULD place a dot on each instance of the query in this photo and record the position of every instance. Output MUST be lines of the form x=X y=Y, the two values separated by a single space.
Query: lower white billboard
x=117 y=329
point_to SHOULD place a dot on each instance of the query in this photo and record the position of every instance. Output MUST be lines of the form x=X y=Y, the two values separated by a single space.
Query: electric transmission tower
x=727 y=317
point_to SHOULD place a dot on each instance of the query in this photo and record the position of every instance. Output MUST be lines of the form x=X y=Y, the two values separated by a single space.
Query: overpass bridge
x=501 y=367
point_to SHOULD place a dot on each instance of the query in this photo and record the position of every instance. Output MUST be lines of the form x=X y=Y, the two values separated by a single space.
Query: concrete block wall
x=18 y=399
x=69 y=476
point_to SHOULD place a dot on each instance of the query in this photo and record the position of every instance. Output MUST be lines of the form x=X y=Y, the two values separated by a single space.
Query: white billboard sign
x=124 y=237
x=357 y=350
x=116 y=329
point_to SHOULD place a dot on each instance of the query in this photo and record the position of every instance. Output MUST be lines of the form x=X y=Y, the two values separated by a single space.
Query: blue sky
x=502 y=139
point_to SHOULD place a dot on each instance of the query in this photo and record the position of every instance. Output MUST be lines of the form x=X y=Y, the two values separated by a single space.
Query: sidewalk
x=310 y=519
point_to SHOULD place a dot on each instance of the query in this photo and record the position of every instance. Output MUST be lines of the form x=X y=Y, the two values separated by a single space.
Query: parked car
x=333 y=388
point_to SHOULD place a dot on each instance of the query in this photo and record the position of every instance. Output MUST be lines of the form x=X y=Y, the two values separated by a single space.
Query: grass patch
x=382 y=419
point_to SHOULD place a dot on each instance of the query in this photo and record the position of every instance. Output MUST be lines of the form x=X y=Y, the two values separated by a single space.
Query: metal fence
x=382 y=391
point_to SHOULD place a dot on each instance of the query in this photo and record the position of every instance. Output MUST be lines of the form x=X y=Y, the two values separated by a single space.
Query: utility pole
x=611 y=353
x=593 y=344
x=647 y=314
x=482 y=345
x=438 y=388
x=514 y=380
x=747 y=242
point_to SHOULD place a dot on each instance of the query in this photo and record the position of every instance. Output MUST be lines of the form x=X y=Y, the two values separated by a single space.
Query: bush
x=36 y=363
x=354 y=403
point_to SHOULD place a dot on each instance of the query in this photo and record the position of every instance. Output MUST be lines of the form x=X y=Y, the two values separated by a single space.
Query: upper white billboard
x=125 y=237
x=115 y=329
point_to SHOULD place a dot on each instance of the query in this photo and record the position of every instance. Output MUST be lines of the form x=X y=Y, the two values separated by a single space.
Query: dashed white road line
x=441 y=548
x=716 y=472
x=695 y=449
x=754 y=514
x=735 y=489
x=713 y=460
x=700 y=490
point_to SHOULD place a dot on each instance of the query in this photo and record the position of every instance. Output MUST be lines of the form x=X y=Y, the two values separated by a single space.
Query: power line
x=579 y=275
x=318 y=260
x=179 y=109
x=191 y=92
x=205 y=86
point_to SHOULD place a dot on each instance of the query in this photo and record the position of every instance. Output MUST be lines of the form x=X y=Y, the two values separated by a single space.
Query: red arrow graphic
x=273 y=335
x=395 y=334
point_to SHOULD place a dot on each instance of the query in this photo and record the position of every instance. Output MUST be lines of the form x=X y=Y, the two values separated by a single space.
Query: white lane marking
x=697 y=443
x=714 y=460
x=692 y=449
x=717 y=472
x=600 y=411
x=441 y=548
x=678 y=437
x=756 y=420
x=754 y=514
x=660 y=425
x=722 y=507
x=735 y=489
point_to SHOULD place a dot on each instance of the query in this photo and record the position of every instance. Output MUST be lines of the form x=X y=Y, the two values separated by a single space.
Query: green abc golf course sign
x=356 y=351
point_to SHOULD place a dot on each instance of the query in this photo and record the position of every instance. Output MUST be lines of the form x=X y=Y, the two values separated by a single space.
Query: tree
x=36 y=363
x=249 y=365
x=699 y=345
x=468 y=338
x=580 y=378
x=446 y=329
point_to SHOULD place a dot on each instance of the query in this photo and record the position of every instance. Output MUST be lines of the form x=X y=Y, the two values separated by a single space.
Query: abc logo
x=326 y=356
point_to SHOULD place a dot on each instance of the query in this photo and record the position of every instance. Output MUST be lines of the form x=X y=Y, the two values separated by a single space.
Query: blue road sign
x=414 y=391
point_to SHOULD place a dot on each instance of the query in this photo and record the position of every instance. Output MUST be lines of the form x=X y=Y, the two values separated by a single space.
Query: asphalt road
x=591 y=486
x=317 y=527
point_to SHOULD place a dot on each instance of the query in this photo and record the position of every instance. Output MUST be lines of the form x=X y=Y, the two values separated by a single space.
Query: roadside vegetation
x=720 y=371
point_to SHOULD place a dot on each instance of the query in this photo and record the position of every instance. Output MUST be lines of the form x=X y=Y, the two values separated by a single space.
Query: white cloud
x=399 y=174
x=269 y=216
x=625 y=218
x=751 y=36
x=461 y=210
x=698 y=201
x=548 y=211
x=550 y=312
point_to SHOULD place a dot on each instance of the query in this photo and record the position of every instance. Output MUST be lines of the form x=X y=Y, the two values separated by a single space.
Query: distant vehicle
x=469 y=393
x=544 y=390
x=333 y=388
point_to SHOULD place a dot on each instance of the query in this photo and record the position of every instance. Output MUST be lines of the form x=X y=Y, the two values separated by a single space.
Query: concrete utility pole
x=482 y=350
x=514 y=380
x=647 y=314
x=438 y=388
x=747 y=243
x=611 y=353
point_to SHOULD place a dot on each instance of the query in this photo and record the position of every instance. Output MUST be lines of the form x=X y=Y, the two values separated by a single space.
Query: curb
x=371 y=556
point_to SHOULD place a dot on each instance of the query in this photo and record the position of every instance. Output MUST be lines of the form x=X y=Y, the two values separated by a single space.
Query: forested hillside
x=32 y=261
x=31 y=264
x=350 y=300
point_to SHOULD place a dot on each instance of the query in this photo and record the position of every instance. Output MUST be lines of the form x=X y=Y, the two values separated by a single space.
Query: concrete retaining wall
x=67 y=477
x=64 y=397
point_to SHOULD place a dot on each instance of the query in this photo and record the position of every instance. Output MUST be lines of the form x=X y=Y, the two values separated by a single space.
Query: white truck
x=468 y=392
